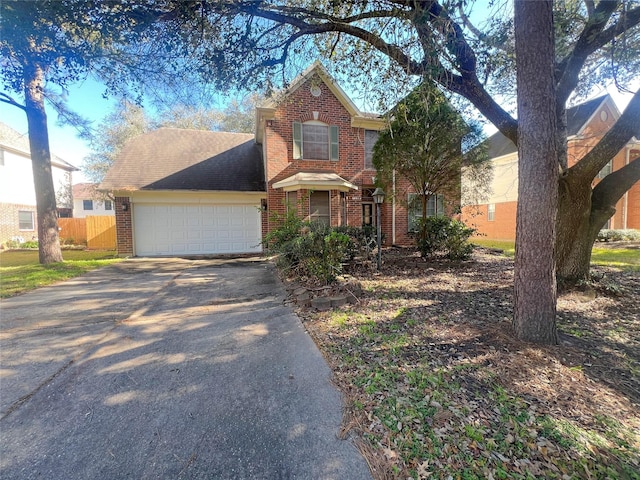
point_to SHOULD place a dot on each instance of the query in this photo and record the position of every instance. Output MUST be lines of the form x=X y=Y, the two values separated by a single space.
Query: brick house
x=586 y=123
x=195 y=192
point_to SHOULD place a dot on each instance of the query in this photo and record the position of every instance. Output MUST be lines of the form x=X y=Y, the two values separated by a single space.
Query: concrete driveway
x=167 y=369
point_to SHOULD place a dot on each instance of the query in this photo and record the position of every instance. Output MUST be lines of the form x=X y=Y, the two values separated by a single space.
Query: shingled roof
x=179 y=159
x=19 y=142
x=577 y=116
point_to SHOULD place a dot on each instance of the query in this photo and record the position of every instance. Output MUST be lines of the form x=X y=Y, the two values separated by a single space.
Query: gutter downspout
x=393 y=211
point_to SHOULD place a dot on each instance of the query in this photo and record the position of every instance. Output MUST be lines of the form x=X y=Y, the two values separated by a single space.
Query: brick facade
x=300 y=105
x=627 y=214
x=124 y=227
x=9 y=222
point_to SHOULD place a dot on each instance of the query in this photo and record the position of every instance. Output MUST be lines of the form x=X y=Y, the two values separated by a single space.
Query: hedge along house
x=586 y=123
x=181 y=192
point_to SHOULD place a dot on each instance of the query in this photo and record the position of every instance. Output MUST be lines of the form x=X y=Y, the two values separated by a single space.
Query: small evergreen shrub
x=446 y=236
x=628 y=235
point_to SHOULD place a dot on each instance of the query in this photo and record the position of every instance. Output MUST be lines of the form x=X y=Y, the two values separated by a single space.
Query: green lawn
x=626 y=258
x=21 y=272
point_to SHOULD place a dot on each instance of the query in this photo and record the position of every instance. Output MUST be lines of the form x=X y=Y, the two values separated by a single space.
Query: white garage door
x=188 y=229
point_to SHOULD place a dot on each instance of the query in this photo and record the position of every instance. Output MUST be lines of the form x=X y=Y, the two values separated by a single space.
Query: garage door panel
x=182 y=229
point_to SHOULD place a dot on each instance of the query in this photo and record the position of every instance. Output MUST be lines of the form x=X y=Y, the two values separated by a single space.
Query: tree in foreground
x=423 y=144
x=56 y=43
x=422 y=41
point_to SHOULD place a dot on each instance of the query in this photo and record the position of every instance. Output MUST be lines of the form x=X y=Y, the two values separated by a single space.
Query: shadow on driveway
x=167 y=369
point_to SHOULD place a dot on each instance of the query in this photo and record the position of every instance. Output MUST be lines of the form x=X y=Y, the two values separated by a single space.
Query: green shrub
x=309 y=249
x=29 y=244
x=628 y=235
x=446 y=236
x=362 y=240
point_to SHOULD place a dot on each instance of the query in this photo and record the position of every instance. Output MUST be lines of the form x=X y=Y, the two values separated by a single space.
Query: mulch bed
x=457 y=318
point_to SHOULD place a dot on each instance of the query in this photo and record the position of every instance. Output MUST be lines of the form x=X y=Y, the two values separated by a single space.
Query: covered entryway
x=196 y=229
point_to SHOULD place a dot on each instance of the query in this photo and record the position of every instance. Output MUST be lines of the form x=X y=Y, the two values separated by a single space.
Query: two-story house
x=200 y=192
x=586 y=124
x=18 y=213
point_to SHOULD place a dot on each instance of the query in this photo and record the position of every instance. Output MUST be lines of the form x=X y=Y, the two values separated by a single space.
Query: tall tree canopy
x=385 y=41
x=57 y=42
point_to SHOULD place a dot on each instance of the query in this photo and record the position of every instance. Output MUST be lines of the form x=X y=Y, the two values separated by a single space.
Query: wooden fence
x=96 y=231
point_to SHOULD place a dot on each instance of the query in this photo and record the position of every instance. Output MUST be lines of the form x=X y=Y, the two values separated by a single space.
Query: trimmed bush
x=445 y=236
x=628 y=235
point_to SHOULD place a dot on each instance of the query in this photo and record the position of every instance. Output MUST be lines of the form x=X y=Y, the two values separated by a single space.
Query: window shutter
x=333 y=141
x=440 y=204
x=297 y=140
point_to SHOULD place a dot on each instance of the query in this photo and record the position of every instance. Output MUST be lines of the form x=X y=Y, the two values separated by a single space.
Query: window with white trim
x=370 y=139
x=315 y=140
x=435 y=206
x=108 y=205
x=491 y=212
x=606 y=170
x=25 y=220
x=87 y=204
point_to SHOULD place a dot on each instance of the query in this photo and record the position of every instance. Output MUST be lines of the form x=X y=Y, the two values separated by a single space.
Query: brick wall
x=300 y=106
x=9 y=223
x=124 y=229
x=503 y=227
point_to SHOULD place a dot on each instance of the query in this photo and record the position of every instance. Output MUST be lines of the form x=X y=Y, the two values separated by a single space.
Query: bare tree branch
x=592 y=38
x=4 y=98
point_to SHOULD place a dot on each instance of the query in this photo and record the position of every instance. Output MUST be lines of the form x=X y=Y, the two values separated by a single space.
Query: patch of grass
x=625 y=258
x=21 y=272
x=509 y=246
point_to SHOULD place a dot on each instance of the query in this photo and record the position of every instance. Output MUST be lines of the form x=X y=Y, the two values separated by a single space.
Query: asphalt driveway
x=167 y=369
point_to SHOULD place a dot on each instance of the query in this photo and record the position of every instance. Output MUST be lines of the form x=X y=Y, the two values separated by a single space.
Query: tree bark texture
x=583 y=210
x=48 y=238
x=535 y=281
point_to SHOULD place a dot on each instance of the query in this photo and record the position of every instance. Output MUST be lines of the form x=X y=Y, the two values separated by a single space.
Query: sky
x=87 y=99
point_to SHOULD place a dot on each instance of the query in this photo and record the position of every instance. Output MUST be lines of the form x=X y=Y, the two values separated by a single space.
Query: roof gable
x=181 y=159
x=358 y=118
x=17 y=142
x=577 y=118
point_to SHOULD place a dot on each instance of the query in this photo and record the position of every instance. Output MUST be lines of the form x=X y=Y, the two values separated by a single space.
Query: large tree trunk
x=583 y=211
x=48 y=238
x=535 y=282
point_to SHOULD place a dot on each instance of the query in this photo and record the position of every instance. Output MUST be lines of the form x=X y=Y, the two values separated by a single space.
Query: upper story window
x=370 y=139
x=315 y=141
x=435 y=206
x=606 y=170
x=87 y=204
x=108 y=205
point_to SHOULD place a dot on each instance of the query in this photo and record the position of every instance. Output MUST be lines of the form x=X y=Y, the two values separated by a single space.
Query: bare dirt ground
x=438 y=387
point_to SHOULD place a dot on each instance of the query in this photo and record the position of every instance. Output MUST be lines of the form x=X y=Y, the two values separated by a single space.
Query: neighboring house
x=586 y=125
x=200 y=192
x=88 y=201
x=18 y=215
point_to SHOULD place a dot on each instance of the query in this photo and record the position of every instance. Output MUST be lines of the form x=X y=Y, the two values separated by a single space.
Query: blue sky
x=86 y=98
